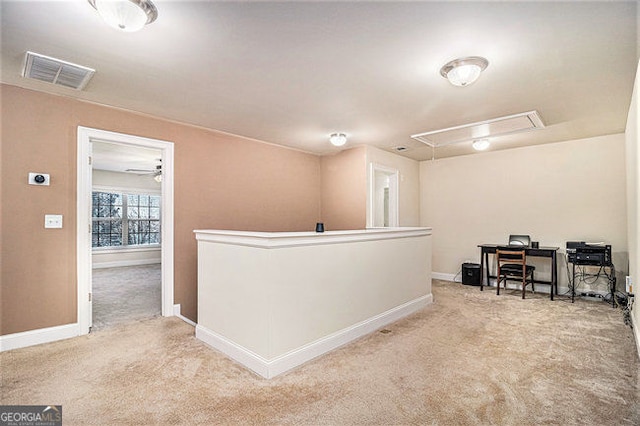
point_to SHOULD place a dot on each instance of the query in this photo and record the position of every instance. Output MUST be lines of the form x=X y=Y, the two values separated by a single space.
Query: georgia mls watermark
x=30 y=415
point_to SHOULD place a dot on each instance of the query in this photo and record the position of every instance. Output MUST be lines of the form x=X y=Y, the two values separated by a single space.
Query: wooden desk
x=550 y=252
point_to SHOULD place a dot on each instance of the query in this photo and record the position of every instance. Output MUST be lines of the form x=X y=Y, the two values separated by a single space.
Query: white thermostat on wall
x=41 y=179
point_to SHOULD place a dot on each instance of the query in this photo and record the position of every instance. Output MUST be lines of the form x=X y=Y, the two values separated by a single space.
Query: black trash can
x=471 y=274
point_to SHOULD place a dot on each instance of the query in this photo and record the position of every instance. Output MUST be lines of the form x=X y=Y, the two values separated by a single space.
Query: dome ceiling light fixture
x=126 y=15
x=464 y=71
x=480 y=144
x=338 y=139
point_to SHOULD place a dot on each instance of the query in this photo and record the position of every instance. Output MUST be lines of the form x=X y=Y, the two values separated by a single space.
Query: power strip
x=595 y=297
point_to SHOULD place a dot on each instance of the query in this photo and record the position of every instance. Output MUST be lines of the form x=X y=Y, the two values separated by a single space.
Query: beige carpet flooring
x=126 y=294
x=470 y=358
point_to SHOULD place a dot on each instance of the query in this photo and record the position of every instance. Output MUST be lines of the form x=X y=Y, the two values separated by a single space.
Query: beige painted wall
x=408 y=185
x=633 y=199
x=558 y=192
x=344 y=189
x=221 y=181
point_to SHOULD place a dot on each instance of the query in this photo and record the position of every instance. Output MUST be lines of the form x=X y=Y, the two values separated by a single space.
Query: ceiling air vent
x=484 y=129
x=52 y=70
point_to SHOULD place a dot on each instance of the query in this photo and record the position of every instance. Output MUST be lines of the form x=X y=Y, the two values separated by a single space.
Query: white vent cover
x=55 y=71
x=500 y=126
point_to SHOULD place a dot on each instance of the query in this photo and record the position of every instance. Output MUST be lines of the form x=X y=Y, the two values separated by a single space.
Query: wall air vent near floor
x=56 y=71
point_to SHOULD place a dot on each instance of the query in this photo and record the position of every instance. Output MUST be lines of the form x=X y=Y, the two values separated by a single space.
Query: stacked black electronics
x=580 y=253
x=470 y=274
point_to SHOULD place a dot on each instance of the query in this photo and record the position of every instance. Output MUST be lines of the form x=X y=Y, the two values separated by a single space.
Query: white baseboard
x=635 y=326
x=636 y=334
x=176 y=313
x=269 y=368
x=446 y=277
x=234 y=351
x=37 y=337
x=542 y=288
x=123 y=263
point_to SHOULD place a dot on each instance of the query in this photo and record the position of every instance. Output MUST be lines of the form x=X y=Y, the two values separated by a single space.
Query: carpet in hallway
x=469 y=358
x=125 y=294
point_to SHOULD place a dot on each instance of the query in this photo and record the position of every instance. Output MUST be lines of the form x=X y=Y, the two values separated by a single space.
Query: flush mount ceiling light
x=126 y=15
x=338 y=139
x=464 y=71
x=480 y=144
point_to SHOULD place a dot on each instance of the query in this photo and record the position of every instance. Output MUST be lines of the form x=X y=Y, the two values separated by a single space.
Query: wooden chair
x=512 y=265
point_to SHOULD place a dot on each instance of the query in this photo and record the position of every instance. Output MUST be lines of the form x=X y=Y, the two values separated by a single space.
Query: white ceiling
x=291 y=73
x=125 y=158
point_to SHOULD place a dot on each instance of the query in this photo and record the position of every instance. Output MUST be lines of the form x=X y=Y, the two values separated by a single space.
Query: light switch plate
x=53 y=221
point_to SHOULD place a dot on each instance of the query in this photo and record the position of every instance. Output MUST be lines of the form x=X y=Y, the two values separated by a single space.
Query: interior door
x=383 y=197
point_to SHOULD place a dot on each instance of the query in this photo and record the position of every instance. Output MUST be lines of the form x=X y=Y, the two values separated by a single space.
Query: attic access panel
x=500 y=126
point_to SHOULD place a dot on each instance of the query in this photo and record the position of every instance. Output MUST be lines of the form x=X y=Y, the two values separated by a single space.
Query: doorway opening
x=383 y=197
x=125 y=236
x=125 y=227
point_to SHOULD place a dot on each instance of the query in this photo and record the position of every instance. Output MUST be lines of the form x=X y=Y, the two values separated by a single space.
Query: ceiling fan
x=156 y=173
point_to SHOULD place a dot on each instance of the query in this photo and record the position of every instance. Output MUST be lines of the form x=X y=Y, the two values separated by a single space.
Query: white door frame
x=86 y=136
x=394 y=195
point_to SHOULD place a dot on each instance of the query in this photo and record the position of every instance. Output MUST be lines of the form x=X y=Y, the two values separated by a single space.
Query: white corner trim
x=273 y=367
x=37 y=337
x=176 y=313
